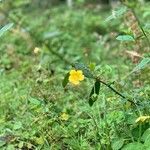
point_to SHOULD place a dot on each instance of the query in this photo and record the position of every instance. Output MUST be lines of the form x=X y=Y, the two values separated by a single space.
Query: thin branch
x=116 y=92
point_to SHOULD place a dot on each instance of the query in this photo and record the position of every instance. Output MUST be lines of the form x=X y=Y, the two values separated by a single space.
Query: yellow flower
x=76 y=76
x=142 y=119
x=64 y=117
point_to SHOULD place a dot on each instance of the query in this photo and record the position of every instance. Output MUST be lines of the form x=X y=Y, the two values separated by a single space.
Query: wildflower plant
x=81 y=71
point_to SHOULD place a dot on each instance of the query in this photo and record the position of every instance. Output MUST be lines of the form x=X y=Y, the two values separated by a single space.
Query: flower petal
x=72 y=72
x=76 y=76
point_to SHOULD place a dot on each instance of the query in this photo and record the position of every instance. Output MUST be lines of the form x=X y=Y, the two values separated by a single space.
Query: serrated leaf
x=86 y=71
x=133 y=146
x=142 y=64
x=117 y=144
x=65 y=81
x=125 y=38
x=5 y=28
x=94 y=93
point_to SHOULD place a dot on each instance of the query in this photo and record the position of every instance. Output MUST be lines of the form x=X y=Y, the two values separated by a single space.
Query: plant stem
x=148 y=42
x=115 y=91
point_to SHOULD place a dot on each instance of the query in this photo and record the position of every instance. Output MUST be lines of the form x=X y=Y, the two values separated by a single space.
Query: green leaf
x=5 y=28
x=49 y=35
x=20 y=3
x=133 y=146
x=147 y=27
x=92 y=66
x=146 y=135
x=117 y=144
x=94 y=93
x=146 y=146
x=116 y=13
x=147 y=143
x=10 y=147
x=141 y=65
x=86 y=71
x=146 y=139
x=35 y=101
x=66 y=80
x=125 y=38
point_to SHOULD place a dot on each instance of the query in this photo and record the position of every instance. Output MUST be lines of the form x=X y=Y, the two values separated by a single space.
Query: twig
x=115 y=91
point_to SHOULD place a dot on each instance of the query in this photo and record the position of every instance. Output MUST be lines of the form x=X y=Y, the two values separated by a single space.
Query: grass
x=32 y=99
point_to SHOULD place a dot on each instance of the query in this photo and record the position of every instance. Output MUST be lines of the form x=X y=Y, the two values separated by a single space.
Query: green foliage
x=146 y=136
x=86 y=71
x=65 y=81
x=117 y=13
x=117 y=143
x=33 y=63
x=5 y=28
x=125 y=38
x=144 y=62
x=94 y=93
x=132 y=146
